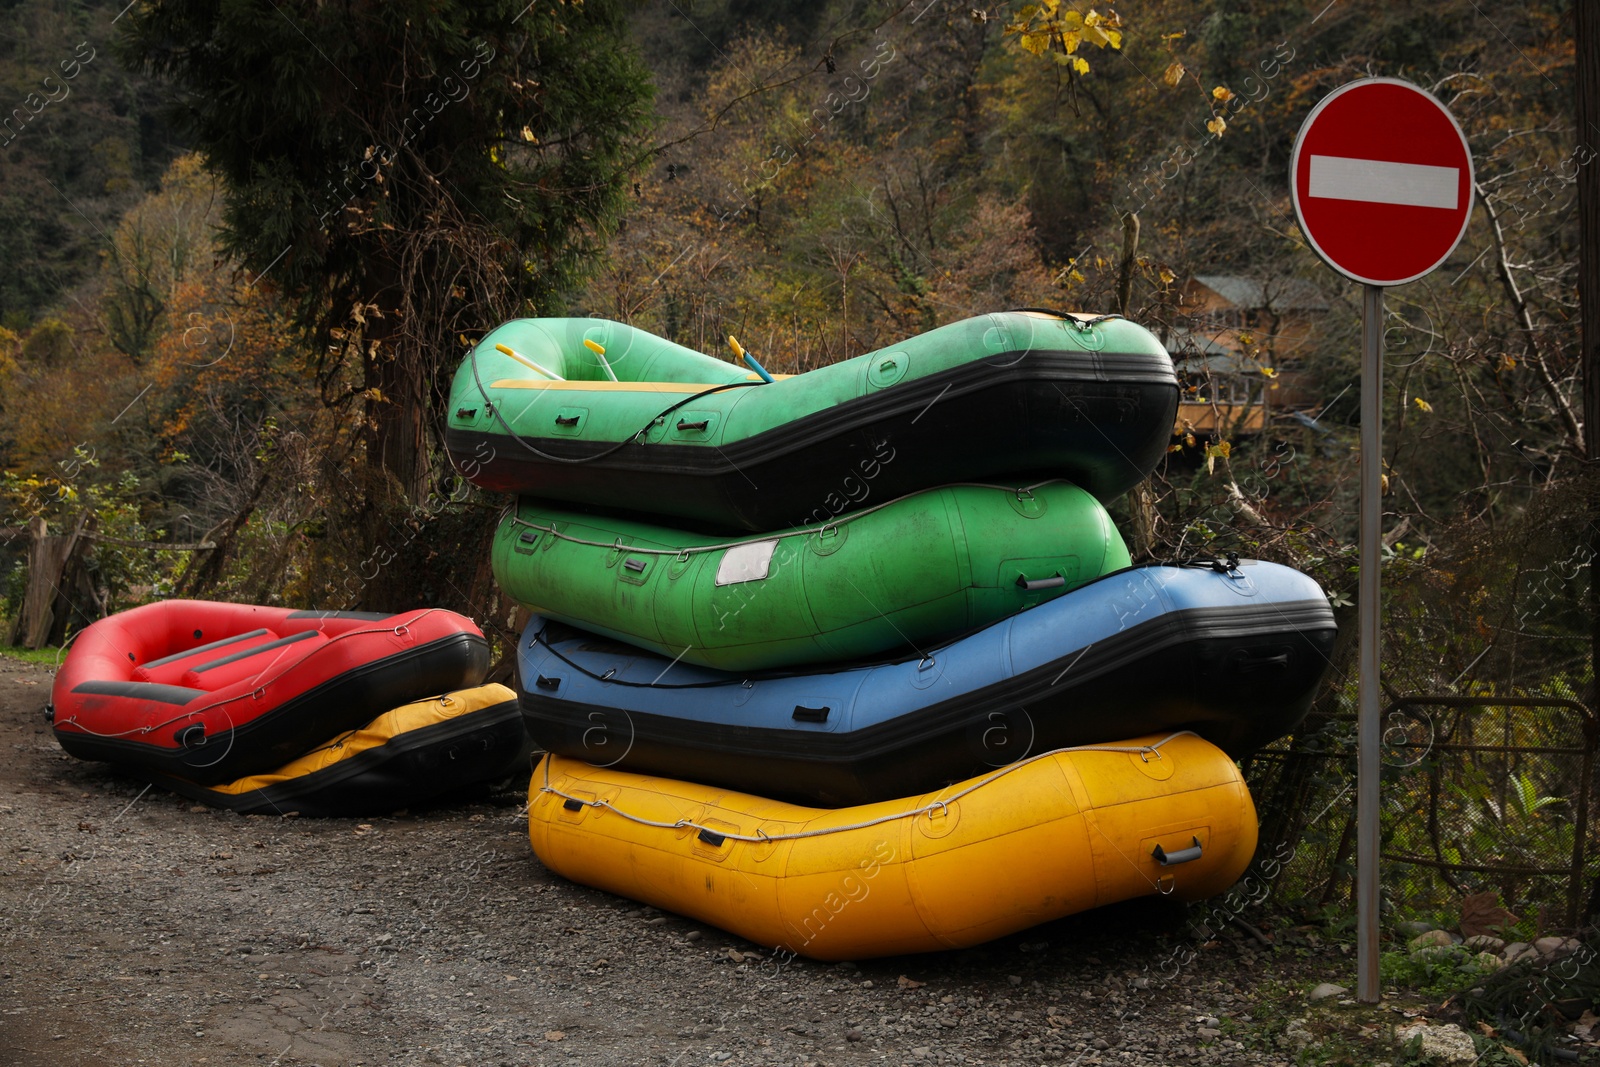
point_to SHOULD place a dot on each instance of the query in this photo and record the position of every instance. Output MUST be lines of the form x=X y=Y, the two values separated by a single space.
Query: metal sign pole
x=1367 y=755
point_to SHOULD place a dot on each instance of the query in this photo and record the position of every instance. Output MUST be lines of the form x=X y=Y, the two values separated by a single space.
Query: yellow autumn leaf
x=1080 y=65
x=1270 y=372
x=527 y=135
x=1036 y=43
x=1422 y=405
x=1100 y=29
x=1073 y=19
x=1217 y=125
x=1069 y=41
x=1174 y=73
x=1221 y=93
x=1166 y=276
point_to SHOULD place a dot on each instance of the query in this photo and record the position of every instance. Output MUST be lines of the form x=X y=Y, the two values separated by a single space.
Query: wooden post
x=48 y=559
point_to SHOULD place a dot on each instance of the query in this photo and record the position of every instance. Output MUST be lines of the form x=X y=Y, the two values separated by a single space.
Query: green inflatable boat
x=899 y=575
x=590 y=411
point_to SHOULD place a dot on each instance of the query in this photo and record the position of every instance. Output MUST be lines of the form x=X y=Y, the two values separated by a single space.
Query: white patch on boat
x=746 y=563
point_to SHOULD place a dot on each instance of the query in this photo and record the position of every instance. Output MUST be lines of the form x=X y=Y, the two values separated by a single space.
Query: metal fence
x=1479 y=793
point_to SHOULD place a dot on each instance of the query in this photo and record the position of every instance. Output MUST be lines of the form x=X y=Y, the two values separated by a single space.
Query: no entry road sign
x=1381 y=178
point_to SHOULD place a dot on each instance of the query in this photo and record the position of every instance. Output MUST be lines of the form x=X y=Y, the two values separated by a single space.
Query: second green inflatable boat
x=904 y=573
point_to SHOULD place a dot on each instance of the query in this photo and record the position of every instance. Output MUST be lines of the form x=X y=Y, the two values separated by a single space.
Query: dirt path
x=136 y=927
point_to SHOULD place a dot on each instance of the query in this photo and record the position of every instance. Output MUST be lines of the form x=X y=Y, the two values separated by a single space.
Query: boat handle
x=1250 y=662
x=1043 y=583
x=551 y=684
x=805 y=714
x=466 y=413
x=566 y=420
x=1167 y=859
x=702 y=424
x=632 y=564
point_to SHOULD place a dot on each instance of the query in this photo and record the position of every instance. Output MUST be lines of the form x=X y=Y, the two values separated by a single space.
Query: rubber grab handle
x=1249 y=663
x=1167 y=859
x=701 y=425
x=1043 y=583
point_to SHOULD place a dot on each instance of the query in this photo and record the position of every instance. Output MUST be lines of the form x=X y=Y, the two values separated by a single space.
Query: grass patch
x=45 y=657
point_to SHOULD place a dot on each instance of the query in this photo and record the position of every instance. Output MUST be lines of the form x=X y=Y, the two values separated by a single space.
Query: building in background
x=1236 y=347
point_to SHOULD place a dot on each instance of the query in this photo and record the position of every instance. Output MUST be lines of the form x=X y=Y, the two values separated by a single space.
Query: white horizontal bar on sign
x=1378 y=181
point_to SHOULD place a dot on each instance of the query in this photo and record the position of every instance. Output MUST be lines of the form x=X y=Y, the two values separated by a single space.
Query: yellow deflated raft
x=403 y=757
x=1052 y=835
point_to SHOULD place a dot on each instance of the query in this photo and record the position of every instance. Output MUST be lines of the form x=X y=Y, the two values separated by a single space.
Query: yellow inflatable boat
x=1059 y=833
x=404 y=757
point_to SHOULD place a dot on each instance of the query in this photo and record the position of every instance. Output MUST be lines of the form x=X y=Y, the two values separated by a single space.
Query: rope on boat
x=494 y=409
x=834 y=523
x=398 y=629
x=758 y=838
x=1229 y=565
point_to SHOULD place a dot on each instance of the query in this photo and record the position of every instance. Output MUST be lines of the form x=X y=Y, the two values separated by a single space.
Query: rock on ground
x=1447 y=1043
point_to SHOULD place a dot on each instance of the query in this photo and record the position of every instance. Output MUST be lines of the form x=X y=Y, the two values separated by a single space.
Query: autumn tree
x=405 y=172
x=163 y=241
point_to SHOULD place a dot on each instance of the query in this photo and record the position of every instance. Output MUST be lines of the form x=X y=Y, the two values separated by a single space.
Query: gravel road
x=137 y=927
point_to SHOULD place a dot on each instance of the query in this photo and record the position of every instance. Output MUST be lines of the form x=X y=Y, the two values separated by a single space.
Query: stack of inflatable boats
x=887 y=595
x=271 y=711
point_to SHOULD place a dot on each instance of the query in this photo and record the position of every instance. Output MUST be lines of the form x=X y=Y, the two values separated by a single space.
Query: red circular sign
x=1381 y=178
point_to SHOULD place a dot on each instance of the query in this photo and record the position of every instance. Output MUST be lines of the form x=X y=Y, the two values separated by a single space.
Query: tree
x=160 y=243
x=405 y=171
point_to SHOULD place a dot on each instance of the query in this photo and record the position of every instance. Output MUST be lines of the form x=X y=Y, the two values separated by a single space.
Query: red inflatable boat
x=212 y=692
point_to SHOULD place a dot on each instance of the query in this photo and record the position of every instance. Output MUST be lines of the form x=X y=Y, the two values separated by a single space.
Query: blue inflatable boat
x=1234 y=650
